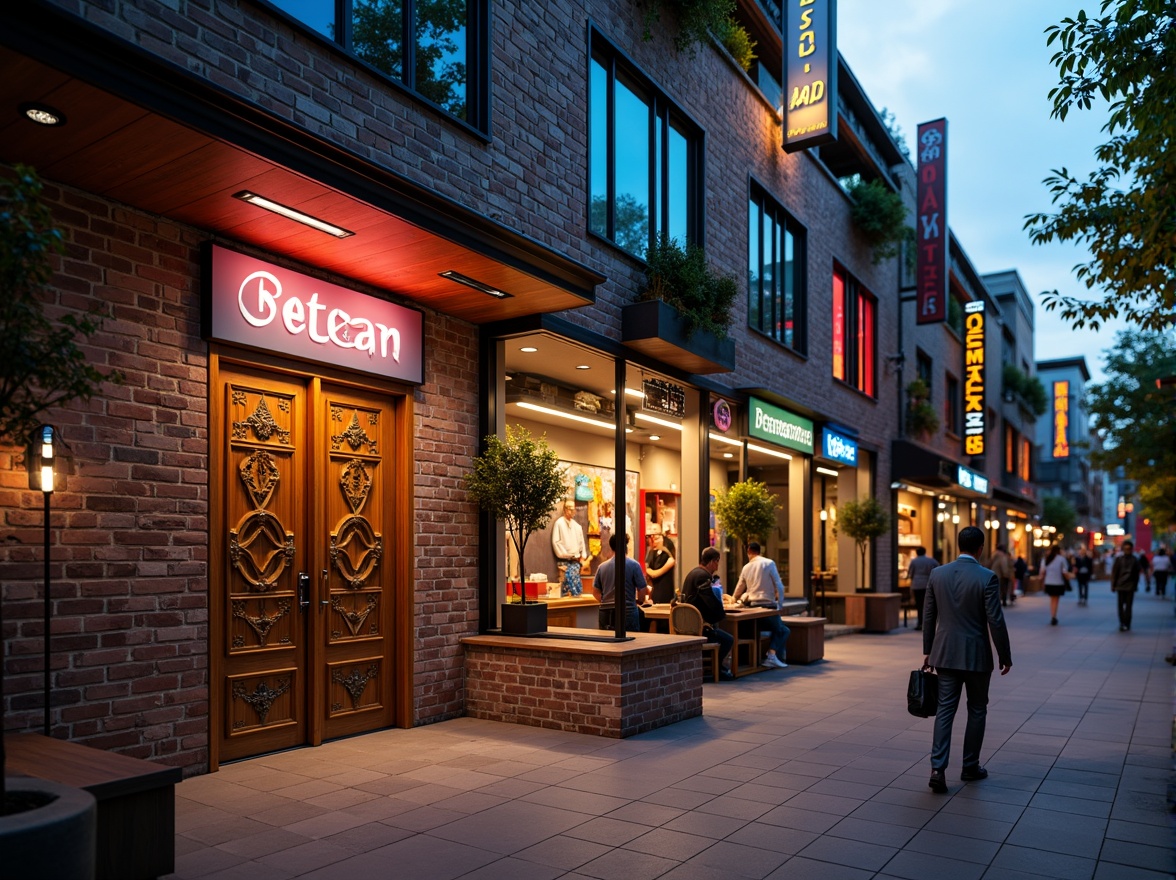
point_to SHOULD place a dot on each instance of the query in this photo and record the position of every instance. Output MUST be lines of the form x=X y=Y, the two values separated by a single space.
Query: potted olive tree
x=46 y=829
x=518 y=481
x=863 y=521
x=746 y=512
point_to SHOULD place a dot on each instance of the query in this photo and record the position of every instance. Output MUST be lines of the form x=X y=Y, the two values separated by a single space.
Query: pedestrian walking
x=1161 y=568
x=1083 y=570
x=1125 y=582
x=1002 y=567
x=920 y=570
x=963 y=614
x=1056 y=573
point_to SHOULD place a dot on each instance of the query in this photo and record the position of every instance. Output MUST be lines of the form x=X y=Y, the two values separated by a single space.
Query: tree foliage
x=863 y=521
x=746 y=511
x=1125 y=211
x=881 y=216
x=518 y=481
x=1059 y=511
x=41 y=365
x=1136 y=420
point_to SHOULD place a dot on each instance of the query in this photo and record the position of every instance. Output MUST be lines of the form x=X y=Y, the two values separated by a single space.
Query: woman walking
x=1056 y=570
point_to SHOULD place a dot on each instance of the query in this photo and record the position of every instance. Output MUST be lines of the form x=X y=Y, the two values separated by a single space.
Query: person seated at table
x=633 y=586
x=760 y=587
x=696 y=591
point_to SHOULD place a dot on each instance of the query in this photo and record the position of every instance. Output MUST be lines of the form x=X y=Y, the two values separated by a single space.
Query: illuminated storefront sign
x=1061 y=419
x=810 y=73
x=974 y=378
x=931 y=255
x=838 y=447
x=776 y=425
x=971 y=479
x=267 y=307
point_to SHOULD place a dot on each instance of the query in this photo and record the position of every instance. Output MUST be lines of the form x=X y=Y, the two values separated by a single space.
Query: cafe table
x=735 y=615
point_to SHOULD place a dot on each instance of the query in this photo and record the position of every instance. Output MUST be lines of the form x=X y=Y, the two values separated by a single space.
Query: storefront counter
x=604 y=688
x=574 y=611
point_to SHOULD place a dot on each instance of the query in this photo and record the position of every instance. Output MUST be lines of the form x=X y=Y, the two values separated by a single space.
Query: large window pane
x=318 y=14
x=788 y=279
x=677 y=176
x=776 y=304
x=441 y=53
x=755 y=299
x=598 y=131
x=377 y=34
x=632 y=171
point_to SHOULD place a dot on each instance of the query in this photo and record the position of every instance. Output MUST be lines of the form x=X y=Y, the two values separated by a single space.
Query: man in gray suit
x=962 y=609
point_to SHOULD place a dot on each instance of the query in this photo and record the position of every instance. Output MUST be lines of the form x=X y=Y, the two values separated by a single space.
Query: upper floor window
x=437 y=48
x=1025 y=462
x=855 y=331
x=923 y=369
x=952 y=405
x=645 y=159
x=775 y=272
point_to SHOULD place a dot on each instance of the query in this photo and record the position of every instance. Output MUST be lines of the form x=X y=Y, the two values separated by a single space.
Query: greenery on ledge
x=921 y=418
x=697 y=19
x=881 y=216
x=680 y=277
x=1028 y=388
x=738 y=43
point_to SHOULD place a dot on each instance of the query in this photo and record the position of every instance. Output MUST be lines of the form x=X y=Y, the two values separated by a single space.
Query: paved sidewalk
x=808 y=772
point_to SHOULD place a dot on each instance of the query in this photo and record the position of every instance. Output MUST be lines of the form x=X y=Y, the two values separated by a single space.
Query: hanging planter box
x=657 y=330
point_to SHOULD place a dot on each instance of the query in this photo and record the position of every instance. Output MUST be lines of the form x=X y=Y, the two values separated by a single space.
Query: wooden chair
x=908 y=604
x=686 y=620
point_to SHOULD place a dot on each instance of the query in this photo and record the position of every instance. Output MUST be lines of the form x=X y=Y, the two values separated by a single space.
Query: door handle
x=303 y=590
x=325 y=601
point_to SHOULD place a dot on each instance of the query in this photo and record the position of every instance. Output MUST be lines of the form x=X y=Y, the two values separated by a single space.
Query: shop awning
x=911 y=463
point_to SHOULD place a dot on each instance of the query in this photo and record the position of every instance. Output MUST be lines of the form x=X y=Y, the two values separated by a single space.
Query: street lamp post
x=47 y=435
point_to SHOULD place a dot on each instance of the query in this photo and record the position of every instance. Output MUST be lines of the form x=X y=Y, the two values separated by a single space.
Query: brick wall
x=130 y=528
x=606 y=695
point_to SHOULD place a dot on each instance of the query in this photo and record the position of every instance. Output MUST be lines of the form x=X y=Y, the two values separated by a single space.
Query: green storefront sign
x=775 y=425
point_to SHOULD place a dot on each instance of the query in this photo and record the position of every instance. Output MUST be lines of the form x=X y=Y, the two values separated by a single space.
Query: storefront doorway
x=307 y=573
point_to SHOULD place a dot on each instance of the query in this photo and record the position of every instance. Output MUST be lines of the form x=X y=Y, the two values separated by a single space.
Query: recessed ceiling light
x=655 y=436
x=583 y=367
x=827 y=472
x=529 y=349
x=292 y=214
x=43 y=114
x=475 y=284
x=728 y=455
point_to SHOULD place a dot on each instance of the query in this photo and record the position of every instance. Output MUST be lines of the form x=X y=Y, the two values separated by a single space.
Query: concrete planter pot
x=56 y=841
x=656 y=329
x=524 y=619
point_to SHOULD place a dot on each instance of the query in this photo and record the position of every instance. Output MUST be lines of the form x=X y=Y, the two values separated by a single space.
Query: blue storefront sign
x=838 y=447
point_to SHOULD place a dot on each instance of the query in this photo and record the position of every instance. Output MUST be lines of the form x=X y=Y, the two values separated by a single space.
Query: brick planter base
x=601 y=688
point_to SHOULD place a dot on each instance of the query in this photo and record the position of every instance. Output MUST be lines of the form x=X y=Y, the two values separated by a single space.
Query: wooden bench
x=136 y=801
x=806 y=639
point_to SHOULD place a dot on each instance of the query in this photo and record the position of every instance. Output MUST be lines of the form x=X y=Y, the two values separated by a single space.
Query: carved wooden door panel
x=353 y=642
x=260 y=486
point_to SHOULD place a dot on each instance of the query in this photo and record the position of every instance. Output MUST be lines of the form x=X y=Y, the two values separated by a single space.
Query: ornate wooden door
x=354 y=626
x=302 y=492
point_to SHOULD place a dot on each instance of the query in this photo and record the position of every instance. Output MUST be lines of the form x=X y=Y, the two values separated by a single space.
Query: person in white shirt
x=567 y=542
x=1161 y=567
x=760 y=587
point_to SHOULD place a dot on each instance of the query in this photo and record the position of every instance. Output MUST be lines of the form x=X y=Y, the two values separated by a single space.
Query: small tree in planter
x=862 y=521
x=517 y=480
x=746 y=511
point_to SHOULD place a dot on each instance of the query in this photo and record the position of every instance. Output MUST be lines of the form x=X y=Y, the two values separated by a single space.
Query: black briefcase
x=923 y=693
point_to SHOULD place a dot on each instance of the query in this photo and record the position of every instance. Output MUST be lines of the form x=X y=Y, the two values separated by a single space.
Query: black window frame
x=478 y=56
x=761 y=201
x=925 y=370
x=953 y=409
x=664 y=114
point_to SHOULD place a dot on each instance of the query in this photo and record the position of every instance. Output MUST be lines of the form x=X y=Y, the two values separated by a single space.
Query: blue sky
x=986 y=68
